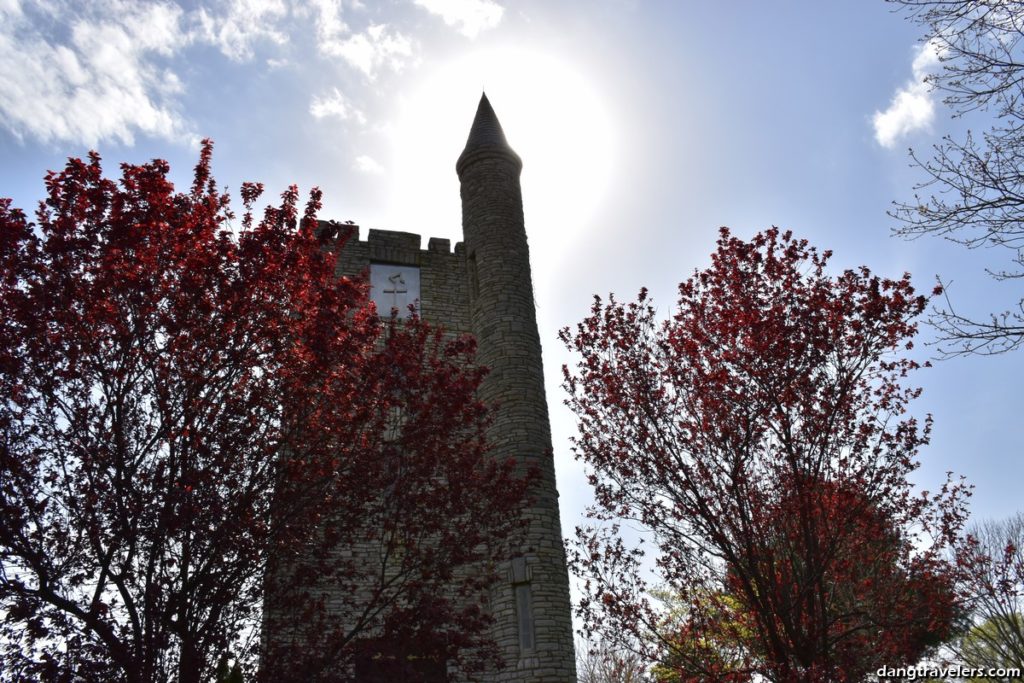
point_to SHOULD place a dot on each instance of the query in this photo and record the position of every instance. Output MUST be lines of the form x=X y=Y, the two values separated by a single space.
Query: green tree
x=992 y=564
x=995 y=643
x=723 y=649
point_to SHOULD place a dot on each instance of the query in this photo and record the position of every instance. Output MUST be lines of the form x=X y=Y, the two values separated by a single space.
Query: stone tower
x=484 y=287
x=536 y=631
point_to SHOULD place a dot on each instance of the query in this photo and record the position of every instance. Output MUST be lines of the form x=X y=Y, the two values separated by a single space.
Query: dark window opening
x=524 y=604
x=474 y=278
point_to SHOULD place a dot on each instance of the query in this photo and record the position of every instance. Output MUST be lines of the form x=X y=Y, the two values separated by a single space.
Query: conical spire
x=486 y=130
x=485 y=135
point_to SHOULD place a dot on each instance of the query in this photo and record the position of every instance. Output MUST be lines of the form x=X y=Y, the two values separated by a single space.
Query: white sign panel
x=394 y=288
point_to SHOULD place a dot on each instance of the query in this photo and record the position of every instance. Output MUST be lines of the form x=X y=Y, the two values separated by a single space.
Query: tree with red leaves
x=192 y=409
x=759 y=437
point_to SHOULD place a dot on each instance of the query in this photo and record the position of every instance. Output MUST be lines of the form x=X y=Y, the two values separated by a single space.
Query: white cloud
x=106 y=70
x=337 y=105
x=244 y=23
x=330 y=29
x=913 y=106
x=10 y=8
x=376 y=47
x=368 y=165
x=469 y=17
x=101 y=82
x=926 y=60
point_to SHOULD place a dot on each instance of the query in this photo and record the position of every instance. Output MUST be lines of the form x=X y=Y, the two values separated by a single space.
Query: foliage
x=228 y=673
x=975 y=185
x=760 y=438
x=191 y=413
x=992 y=558
x=721 y=649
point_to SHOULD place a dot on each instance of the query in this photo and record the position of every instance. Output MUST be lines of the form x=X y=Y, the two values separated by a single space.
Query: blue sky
x=643 y=127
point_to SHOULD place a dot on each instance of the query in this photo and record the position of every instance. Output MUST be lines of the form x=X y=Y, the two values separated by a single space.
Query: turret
x=532 y=608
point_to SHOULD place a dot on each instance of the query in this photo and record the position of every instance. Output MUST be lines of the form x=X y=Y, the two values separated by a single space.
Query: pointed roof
x=486 y=130
x=486 y=135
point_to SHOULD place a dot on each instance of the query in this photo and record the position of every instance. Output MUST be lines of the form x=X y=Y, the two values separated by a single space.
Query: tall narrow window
x=524 y=604
x=474 y=278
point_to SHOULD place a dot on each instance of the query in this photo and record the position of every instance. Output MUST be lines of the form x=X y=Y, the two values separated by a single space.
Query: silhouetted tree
x=974 y=188
x=599 y=662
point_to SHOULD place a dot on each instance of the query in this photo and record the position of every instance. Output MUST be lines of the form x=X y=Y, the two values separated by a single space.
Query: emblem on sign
x=394 y=288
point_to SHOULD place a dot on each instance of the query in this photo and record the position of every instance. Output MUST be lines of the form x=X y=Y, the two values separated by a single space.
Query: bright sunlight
x=553 y=116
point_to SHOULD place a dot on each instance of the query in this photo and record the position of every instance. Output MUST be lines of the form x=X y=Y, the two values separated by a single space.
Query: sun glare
x=552 y=116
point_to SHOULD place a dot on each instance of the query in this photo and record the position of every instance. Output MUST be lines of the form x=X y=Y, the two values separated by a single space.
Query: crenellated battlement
x=399 y=245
